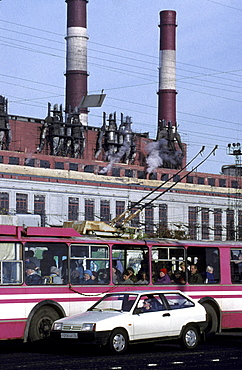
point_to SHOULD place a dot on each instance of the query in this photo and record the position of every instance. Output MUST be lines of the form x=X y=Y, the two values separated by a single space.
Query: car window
x=150 y=303
x=177 y=301
x=115 y=302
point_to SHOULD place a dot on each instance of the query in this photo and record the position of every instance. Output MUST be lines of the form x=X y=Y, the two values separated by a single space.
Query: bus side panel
x=13 y=329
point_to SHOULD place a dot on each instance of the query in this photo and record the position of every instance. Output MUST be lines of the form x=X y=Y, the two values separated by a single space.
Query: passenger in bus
x=194 y=276
x=126 y=278
x=47 y=262
x=29 y=257
x=103 y=277
x=117 y=278
x=94 y=277
x=183 y=270
x=209 y=275
x=131 y=274
x=55 y=275
x=142 y=278
x=177 y=278
x=238 y=262
x=163 y=277
x=87 y=278
x=32 y=278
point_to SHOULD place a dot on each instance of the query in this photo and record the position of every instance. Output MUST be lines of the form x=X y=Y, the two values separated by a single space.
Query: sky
x=123 y=59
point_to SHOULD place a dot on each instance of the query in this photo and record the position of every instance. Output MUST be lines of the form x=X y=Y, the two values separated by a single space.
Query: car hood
x=92 y=317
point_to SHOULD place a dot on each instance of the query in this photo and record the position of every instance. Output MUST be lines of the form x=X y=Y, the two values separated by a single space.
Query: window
x=189 y=179
x=4 y=203
x=236 y=266
x=105 y=210
x=217 y=224
x=135 y=221
x=73 y=209
x=89 y=168
x=211 y=181
x=73 y=166
x=149 y=220
x=91 y=258
x=44 y=164
x=89 y=210
x=141 y=174
x=192 y=222
x=132 y=258
x=234 y=184
x=200 y=180
x=128 y=173
x=29 y=162
x=11 y=265
x=116 y=171
x=168 y=259
x=230 y=232
x=21 y=203
x=205 y=223
x=177 y=301
x=163 y=215
x=164 y=177
x=222 y=183
x=13 y=160
x=176 y=178
x=207 y=266
x=120 y=207
x=239 y=234
x=59 y=165
x=39 y=207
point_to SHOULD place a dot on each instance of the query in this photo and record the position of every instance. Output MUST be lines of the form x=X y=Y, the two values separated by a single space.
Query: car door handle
x=166 y=314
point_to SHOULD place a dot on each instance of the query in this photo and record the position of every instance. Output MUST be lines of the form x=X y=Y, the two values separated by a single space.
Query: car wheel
x=189 y=337
x=118 y=341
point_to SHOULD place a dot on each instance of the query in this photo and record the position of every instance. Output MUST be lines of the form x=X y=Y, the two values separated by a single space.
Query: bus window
x=236 y=266
x=167 y=265
x=89 y=264
x=203 y=265
x=131 y=261
x=45 y=264
x=11 y=266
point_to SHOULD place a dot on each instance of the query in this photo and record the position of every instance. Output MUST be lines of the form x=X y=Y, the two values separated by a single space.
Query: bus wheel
x=189 y=337
x=118 y=341
x=212 y=319
x=41 y=323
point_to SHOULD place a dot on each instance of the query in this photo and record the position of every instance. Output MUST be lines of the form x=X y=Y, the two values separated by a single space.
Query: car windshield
x=115 y=302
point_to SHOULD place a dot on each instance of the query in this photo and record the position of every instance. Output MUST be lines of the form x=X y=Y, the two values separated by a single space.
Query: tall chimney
x=76 y=56
x=167 y=70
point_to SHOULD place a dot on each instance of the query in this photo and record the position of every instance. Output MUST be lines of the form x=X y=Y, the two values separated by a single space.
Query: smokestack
x=76 y=56
x=167 y=69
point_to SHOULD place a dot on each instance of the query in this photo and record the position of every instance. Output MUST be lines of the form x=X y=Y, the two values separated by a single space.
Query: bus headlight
x=57 y=326
x=88 y=327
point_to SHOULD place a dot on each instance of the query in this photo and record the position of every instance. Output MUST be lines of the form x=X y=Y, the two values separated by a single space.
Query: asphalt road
x=222 y=352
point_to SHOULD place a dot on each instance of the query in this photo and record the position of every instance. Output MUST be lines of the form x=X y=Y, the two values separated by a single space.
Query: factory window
x=89 y=209
x=128 y=173
x=4 y=203
x=234 y=184
x=205 y=223
x=1 y=158
x=13 y=160
x=222 y=183
x=153 y=176
x=39 y=207
x=120 y=207
x=230 y=232
x=149 y=220
x=105 y=210
x=192 y=222
x=164 y=177
x=176 y=178
x=211 y=181
x=217 y=224
x=163 y=223
x=141 y=174
x=44 y=164
x=200 y=180
x=190 y=179
x=21 y=203
x=29 y=162
x=239 y=236
x=73 y=209
x=73 y=167
x=116 y=171
x=59 y=165
x=89 y=168
x=135 y=220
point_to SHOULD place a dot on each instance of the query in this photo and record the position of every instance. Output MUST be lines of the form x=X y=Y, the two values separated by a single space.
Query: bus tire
x=189 y=337
x=212 y=319
x=41 y=323
x=118 y=341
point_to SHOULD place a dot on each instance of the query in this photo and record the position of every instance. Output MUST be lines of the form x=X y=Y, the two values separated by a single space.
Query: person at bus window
x=143 y=278
x=238 y=262
x=55 y=275
x=126 y=278
x=182 y=267
x=209 y=275
x=194 y=276
x=29 y=257
x=163 y=277
x=177 y=278
x=94 y=277
x=131 y=274
x=116 y=275
x=32 y=278
x=47 y=262
x=87 y=277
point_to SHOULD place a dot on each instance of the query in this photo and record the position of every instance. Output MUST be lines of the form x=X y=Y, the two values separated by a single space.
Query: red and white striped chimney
x=167 y=76
x=76 y=56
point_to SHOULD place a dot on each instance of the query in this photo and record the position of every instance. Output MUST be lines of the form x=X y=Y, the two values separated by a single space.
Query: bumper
x=92 y=337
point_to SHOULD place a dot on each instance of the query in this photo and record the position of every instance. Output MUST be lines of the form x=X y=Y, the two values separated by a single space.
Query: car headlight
x=88 y=327
x=57 y=326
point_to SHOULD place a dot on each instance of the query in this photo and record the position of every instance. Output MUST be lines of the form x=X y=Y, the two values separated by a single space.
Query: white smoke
x=115 y=158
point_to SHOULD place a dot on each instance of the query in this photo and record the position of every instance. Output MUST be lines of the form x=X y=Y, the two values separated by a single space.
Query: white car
x=123 y=318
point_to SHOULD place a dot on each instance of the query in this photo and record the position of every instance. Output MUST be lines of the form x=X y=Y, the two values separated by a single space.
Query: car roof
x=145 y=292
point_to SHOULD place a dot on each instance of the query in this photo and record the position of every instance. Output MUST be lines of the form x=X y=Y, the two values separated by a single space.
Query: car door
x=151 y=323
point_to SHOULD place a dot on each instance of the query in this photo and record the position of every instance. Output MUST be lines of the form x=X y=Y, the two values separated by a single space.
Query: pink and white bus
x=48 y=273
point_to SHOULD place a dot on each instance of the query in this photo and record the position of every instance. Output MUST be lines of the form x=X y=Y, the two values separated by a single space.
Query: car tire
x=189 y=337
x=118 y=341
x=41 y=323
